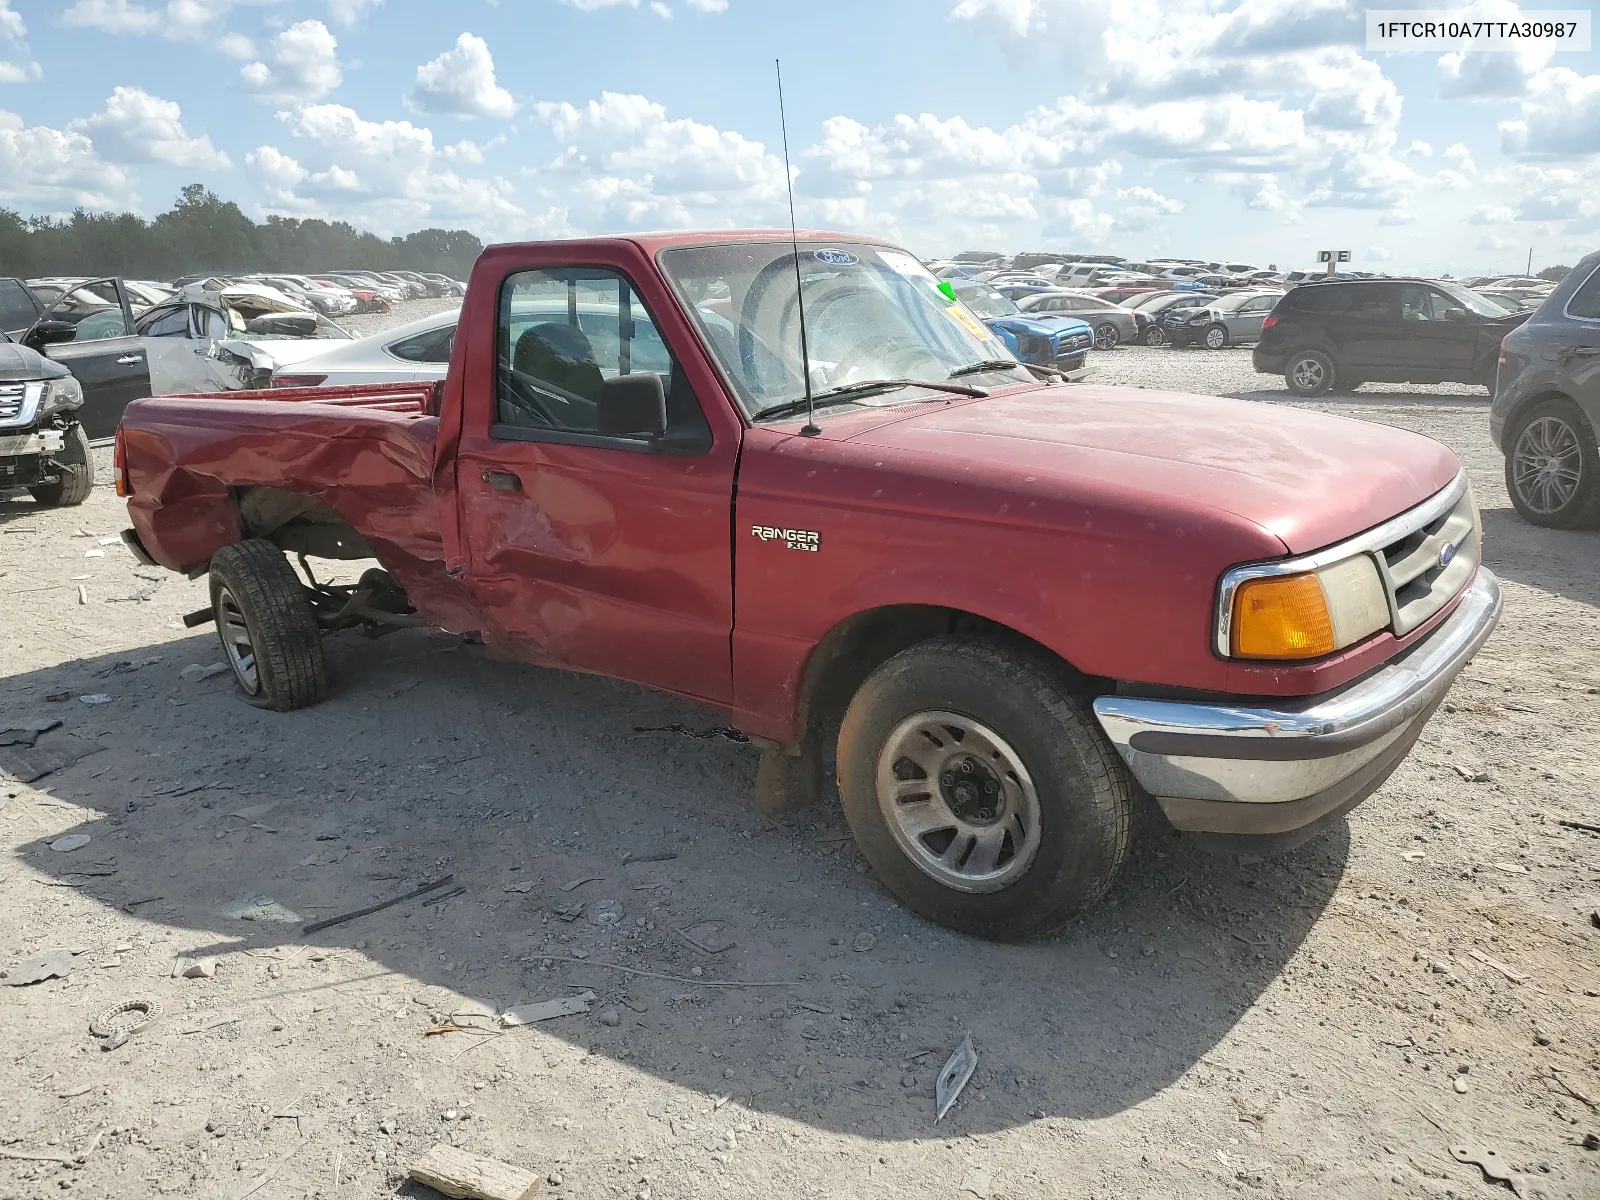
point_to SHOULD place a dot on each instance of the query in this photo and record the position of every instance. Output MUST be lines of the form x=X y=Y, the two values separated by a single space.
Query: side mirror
x=1455 y=314
x=632 y=406
x=50 y=333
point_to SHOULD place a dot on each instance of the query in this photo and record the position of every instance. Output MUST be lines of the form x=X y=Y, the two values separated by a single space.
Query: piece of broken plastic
x=957 y=1071
x=259 y=908
x=543 y=1010
x=49 y=965
x=71 y=841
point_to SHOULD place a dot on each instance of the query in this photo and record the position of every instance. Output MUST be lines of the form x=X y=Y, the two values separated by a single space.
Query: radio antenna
x=810 y=428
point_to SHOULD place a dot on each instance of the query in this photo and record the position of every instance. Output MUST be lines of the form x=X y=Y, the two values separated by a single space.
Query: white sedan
x=417 y=350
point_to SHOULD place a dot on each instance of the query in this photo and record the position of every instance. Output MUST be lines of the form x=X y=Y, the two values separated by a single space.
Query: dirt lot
x=1326 y=1024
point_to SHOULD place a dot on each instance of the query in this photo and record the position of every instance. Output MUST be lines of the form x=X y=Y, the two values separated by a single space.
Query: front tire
x=76 y=469
x=1106 y=336
x=1215 y=337
x=1309 y=373
x=1154 y=336
x=267 y=627
x=980 y=791
x=1553 y=467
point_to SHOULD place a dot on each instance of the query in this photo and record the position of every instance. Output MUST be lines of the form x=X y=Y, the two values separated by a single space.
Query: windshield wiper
x=850 y=390
x=988 y=364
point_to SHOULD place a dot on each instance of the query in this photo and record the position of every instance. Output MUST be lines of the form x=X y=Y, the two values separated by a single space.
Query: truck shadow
x=431 y=759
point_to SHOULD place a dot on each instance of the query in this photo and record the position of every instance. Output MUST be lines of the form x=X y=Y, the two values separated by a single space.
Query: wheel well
x=298 y=524
x=1528 y=402
x=860 y=644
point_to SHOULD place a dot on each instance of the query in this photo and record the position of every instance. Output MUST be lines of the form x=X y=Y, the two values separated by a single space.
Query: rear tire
x=77 y=474
x=267 y=628
x=1309 y=373
x=1106 y=336
x=1553 y=466
x=1215 y=337
x=1025 y=817
x=1154 y=336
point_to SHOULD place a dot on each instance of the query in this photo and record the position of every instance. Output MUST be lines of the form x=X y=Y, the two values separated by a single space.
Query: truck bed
x=205 y=470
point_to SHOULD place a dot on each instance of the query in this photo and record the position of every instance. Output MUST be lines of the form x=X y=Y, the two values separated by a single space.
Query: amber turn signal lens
x=1282 y=618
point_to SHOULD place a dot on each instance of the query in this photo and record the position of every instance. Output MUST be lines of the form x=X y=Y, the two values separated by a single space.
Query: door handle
x=502 y=481
x=127 y=360
x=1582 y=351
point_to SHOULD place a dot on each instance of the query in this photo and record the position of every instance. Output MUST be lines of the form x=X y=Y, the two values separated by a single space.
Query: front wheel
x=267 y=627
x=980 y=791
x=75 y=471
x=1552 y=470
x=1106 y=336
x=1310 y=373
x=1215 y=337
x=1154 y=336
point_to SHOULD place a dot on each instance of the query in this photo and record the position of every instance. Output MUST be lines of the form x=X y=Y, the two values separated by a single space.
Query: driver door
x=593 y=552
x=106 y=357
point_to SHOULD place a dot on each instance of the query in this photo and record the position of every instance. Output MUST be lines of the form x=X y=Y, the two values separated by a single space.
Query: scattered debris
x=1413 y=856
x=51 y=964
x=610 y=1018
x=83 y=594
x=716 y=731
x=1469 y=775
x=314 y=926
x=1586 y=826
x=1490 y=1163
x=658 y=856
x=96 y=698
x=519 y=888
x=253 y=812
x=1510 y=868
x=27 y=733
x=261 y=908
x=578 y=883
x=58 y=697
x=71 y=842
x=711 y=942
x=443 y=896
x=466 y=1176
x=979 y=1182
x=544 y=1010
x=195 y=672
x=194 y=968
x=25 y=764
x=863 y=942
x=954 y=1076
x=1510 y=973
x=105 y=1025
x=569 y=912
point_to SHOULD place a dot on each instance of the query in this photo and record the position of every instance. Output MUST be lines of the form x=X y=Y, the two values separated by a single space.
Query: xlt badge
x=794 y=539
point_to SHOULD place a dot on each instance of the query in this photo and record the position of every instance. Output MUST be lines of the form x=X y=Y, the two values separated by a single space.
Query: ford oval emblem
x=835 y=258
x=1447 y=554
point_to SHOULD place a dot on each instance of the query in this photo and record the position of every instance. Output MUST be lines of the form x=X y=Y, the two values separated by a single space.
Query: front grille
x=10 y=401
x=1073 y=343
x=1420 y=575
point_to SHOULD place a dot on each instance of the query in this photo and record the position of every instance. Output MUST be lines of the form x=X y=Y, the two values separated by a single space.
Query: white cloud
x=1491 y=241
x=15 y=64
x=236 y=45
x=1378 y=254
x=305 y=66
x=1459 y=156
x=461 y=82
x=176 y=20
x=1418 y=149
x=709 y=6
x=55 y=168
x=660 y=10
x=1490 y=214
x=348 y=12
x=136 y=127
x=1560 y=117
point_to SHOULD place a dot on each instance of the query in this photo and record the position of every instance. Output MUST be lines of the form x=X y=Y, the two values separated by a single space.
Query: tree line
x=203 y=233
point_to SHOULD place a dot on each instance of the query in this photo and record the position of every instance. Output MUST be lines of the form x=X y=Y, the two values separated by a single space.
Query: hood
x=1039 y=327
x=1060 y=322
x=19 y=363
x=1307 y=478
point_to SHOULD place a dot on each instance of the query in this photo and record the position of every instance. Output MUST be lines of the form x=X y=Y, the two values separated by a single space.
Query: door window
x=108 y=323
x=213 y=323
x=434 y=346
x=1585 y=302
x=172 y=322
x=563 y=333
x=1418 y=303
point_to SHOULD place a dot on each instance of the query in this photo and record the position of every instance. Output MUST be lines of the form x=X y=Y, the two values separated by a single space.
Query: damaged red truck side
x=1006 y=606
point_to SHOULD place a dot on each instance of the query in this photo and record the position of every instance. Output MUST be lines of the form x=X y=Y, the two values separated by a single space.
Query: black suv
x=1547 y=405
x=1341 y=334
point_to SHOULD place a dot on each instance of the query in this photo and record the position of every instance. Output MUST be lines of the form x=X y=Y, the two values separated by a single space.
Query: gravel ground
x=766 y=1021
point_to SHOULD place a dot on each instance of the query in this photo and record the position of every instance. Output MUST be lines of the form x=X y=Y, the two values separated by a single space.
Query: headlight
x=60 y=394
x=1310 y=614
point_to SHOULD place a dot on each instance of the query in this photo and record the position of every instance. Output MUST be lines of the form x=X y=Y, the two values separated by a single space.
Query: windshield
x=871 y=312
x=1472 y=302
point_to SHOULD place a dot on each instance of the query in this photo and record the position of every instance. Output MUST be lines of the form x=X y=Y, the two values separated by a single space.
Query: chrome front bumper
x=1225 y=769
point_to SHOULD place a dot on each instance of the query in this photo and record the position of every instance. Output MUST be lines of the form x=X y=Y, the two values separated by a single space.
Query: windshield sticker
x=903 y=264
x=959 y=314
x=836 y=258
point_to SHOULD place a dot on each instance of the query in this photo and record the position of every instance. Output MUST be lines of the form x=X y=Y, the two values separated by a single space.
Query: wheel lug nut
x=948 y=780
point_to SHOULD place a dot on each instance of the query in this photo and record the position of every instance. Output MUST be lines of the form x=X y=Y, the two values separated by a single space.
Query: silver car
x=1227 y=321
x=1112 y=324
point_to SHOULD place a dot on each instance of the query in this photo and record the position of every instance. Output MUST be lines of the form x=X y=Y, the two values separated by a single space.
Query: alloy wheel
x=1547 y=464
x=236 y=643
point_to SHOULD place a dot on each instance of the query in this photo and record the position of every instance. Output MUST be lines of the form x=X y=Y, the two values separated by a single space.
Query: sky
x=1255 y=131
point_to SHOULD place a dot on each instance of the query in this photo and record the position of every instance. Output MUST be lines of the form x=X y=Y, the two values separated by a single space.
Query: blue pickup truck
x=1038 y=339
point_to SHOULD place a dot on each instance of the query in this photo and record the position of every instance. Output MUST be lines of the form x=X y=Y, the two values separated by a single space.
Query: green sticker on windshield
x=949 y=290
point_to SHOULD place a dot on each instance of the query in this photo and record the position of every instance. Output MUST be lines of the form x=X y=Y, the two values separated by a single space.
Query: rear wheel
x=1310 y=373
x=76 y=471
x=1215 y=337
x=267 y=627
x=980 y=791
x=1106 y=336
x=1154 y=336
x=1552 y=471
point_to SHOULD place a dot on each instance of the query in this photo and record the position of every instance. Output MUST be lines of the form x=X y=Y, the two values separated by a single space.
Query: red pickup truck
x=1006 y=607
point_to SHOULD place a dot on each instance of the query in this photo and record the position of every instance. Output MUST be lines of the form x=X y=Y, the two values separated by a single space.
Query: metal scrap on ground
x=314 y=926
x=544 y=1010
x=954 y=1076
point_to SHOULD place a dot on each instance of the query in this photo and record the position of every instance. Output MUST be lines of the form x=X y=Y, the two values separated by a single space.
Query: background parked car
x=1547 y=405
x=1147 y=311
x=417 y=350
x=1346 y=332
x=1111 y=323
x=1226 y=321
